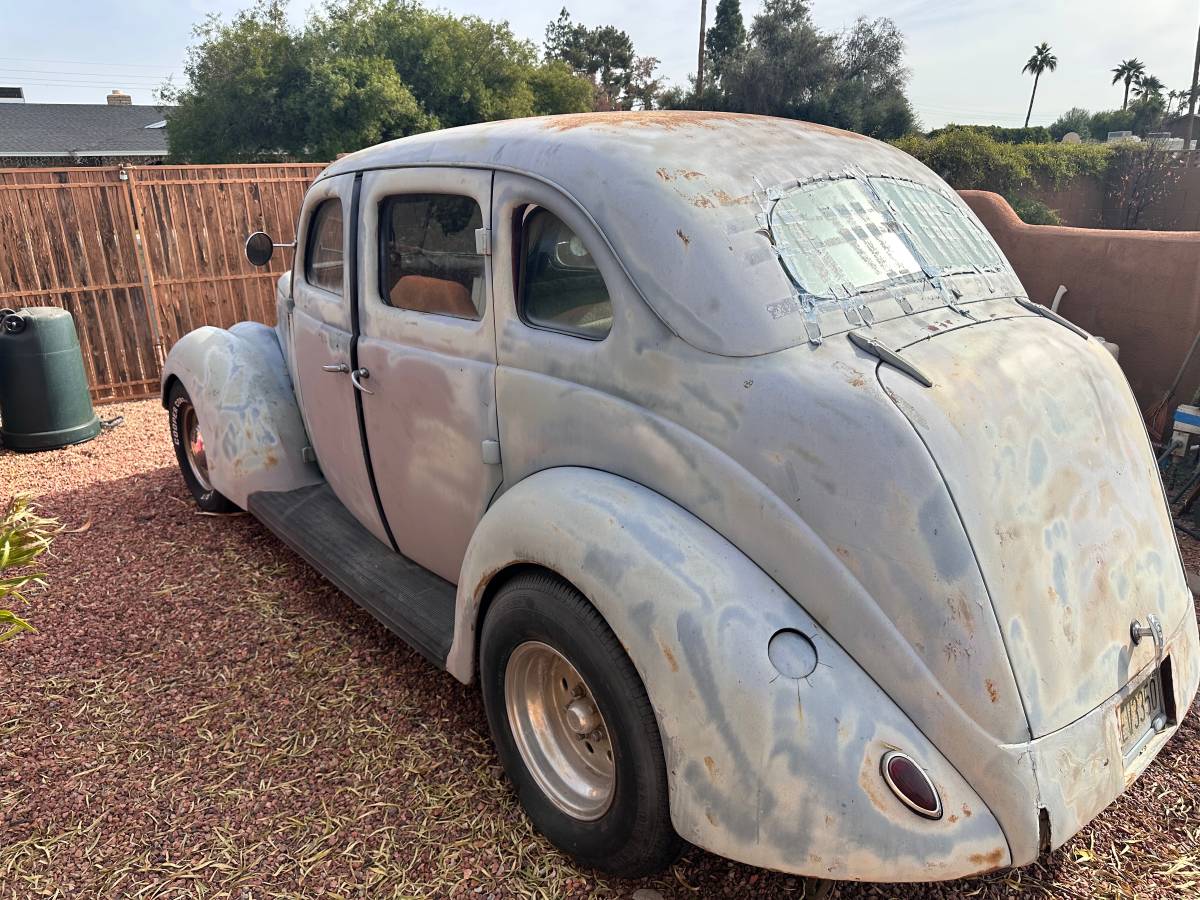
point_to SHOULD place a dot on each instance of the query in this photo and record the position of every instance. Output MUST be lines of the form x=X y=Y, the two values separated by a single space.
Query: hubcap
x=559 y=731
x=194 y=442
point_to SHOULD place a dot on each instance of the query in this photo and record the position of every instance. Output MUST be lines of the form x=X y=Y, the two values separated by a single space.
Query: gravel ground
x=202 y=716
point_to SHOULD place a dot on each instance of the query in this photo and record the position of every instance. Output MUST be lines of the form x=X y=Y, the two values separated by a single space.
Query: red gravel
x=201 y=715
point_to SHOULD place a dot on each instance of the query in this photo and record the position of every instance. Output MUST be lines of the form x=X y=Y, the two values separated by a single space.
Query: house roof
x=81 y=129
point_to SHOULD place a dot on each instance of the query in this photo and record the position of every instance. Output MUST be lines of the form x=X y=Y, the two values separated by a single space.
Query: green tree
x=604 y=54
x=360 y=72
x=1149 y=88
x=1076 y=119
x=868 y=94
x=726 y=39
x=1041 y=61
x=788 y=69
x=1129 y=71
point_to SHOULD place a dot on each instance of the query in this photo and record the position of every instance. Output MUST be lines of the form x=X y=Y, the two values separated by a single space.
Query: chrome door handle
x=357 y=374
x=339 y=368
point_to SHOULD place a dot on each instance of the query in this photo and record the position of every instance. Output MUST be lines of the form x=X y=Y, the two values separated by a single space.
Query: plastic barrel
x=44 y=400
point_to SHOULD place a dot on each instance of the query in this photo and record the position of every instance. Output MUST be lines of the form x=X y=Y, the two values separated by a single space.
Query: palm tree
x=1149 y=87
x=1129 y=71
x=1041 y=61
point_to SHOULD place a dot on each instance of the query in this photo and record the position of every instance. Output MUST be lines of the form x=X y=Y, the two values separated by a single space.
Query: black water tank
x=44 y=400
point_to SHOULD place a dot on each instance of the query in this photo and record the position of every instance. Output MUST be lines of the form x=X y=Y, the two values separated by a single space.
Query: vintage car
x=730 y=457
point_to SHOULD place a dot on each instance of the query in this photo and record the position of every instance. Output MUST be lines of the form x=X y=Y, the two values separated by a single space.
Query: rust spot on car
x=991 y=689
x=952 y=818
x=988 y=859
x=966 y=811
x=663 y=174
x=726 y=199
x=711 y=765
x=270 y=460
x=671 y=661
x=870 y=781
x=692 y=176
x=683 y=237
x=703 y=202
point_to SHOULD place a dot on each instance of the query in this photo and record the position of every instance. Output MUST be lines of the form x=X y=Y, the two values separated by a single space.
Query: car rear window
x=845 y=236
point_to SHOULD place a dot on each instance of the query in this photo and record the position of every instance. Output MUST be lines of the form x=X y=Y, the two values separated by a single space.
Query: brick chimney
x=119 y=98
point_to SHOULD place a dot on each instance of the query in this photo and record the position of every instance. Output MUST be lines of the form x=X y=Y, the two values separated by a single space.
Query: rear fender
x=240 y=386
x=767 y=769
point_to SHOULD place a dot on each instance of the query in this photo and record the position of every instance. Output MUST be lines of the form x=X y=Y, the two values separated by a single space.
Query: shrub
x=970 y=160
x=1076 y=119
x=1035 y=134
x=1033 y=212
x=24 y=536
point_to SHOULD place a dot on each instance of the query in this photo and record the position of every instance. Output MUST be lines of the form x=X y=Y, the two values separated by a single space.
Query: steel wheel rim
x=559 y=731
x=193 y=442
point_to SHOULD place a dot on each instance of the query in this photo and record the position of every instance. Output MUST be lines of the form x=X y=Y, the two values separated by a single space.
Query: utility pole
x=700 y=57
x=1187 y=143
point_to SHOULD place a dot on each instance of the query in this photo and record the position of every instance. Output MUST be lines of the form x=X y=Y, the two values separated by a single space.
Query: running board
x=411 y=601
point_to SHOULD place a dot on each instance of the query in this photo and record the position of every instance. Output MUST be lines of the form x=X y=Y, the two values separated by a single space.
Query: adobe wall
x=1139 y=289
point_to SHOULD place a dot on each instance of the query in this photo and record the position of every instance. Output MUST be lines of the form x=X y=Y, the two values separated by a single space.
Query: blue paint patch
x=1060 y=577
x=1037 y=463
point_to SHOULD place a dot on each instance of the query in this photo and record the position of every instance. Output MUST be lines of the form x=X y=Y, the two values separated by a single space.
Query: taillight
x=909 y=782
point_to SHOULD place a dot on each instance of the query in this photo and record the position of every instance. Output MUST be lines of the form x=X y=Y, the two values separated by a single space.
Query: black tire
x=634 y=836
x=207 y=498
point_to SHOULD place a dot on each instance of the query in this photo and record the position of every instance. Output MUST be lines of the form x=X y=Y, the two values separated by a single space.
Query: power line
x=77 y=62
x=39 y=73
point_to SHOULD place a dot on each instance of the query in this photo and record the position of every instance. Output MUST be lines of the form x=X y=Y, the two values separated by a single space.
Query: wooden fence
x=141 y=255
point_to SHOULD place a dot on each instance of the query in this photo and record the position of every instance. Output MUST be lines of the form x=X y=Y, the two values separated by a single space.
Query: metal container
x=44 y=400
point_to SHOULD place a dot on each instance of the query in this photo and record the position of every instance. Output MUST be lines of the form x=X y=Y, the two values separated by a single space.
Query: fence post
x=129 y=176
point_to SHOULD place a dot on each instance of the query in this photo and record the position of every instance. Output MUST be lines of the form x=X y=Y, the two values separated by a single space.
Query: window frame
x=310 y=236
x=381 y=244
x=521 y=246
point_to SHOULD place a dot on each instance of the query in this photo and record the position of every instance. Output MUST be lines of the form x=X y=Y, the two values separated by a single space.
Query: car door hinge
x=491 y=452
x=483 y=241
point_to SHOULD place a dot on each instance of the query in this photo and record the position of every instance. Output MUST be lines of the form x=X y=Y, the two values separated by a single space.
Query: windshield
x=845 y=236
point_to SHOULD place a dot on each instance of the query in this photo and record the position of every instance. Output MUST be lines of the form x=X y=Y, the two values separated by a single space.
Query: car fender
x=240 y=386
x=766 y=768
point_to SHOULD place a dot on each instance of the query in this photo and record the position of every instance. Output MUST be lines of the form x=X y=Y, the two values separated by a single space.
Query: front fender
x=239 y=384
x=767 y=769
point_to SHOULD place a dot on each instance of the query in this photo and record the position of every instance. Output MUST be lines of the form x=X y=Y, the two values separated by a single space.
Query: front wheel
x=574 y=728
x=191 y=453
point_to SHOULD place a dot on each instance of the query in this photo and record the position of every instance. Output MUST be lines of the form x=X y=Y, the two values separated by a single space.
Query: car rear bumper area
x=1082 y=768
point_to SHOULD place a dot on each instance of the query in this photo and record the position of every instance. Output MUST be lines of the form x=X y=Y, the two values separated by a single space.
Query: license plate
x=1138 y=711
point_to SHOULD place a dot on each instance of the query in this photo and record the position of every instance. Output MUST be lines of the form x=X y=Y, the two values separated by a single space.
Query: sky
x=965 y=57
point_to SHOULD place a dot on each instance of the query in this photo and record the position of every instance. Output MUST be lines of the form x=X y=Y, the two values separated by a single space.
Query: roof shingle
x=85 y=129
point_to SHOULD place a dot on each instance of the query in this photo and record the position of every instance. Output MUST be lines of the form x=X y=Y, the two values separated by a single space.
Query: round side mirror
x=259 y=248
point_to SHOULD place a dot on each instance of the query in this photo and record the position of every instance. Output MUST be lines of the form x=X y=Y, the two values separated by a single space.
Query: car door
x=322 y=338
x=428 y=344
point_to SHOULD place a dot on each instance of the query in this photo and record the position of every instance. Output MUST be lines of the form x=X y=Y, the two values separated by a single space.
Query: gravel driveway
x=202 y=716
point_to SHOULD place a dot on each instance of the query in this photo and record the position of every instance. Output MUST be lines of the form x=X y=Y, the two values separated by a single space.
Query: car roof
x=678 y=195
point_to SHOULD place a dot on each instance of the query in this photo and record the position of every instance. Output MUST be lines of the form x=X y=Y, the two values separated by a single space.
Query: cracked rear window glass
x=835 y=241
x=944 y=236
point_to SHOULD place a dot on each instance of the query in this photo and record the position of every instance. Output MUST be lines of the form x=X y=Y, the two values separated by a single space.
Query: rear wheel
x=574 y=728
x=191 y=453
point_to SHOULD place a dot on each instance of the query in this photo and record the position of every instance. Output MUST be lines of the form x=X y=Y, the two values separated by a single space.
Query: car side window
x=323 y=252
x=560 y=286
x=428 y=257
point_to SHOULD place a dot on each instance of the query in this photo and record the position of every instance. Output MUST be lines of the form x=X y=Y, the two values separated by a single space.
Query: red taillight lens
x=909 y=782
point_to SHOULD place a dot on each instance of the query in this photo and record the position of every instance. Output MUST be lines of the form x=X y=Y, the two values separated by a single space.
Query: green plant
x=24 y=536
x=970 y=159
x=1033 y=212
x=1041 y=61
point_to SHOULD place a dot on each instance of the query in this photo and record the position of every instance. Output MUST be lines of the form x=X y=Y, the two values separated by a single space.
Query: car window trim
x=310 y=238
x=519 y=288
x=381 y=261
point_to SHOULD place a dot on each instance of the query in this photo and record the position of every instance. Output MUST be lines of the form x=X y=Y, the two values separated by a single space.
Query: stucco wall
x=1087 y=202
x=1140 y=289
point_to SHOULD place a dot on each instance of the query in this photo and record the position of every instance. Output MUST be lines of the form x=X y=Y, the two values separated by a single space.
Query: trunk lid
x=1044 y=452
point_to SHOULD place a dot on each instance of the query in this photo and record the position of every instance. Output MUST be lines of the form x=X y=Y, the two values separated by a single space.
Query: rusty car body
x=841 y=492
